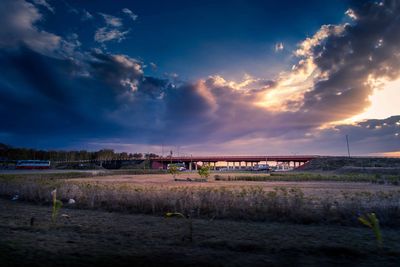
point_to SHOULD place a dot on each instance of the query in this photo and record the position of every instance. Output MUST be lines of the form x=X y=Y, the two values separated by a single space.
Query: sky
x=201 y=77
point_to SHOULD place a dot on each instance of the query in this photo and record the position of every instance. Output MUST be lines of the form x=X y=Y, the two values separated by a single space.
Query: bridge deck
x=300 y=158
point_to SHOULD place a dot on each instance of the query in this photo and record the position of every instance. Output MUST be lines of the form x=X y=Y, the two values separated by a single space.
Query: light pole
x=348 y=147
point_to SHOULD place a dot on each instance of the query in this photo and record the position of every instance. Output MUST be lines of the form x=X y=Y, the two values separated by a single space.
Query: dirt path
x=96 y=238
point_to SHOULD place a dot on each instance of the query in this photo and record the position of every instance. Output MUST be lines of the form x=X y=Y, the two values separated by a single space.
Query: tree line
x=12 y=153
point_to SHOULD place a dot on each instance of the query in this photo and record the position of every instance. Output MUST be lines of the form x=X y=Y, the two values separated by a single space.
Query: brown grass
x=275 y=201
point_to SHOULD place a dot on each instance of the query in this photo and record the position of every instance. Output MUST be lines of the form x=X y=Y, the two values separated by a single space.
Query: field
x=234 y=219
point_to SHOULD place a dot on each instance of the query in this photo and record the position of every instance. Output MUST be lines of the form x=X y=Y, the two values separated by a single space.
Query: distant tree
x=123 y=155
x=137 y=155
x=12 y=153
x=105 y=154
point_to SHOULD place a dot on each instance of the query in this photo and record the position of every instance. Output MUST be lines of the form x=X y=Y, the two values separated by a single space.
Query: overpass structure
x=192 y=162
x=231 y=162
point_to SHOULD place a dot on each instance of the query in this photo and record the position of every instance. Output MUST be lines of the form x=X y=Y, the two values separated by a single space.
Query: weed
x=370 y=220
x=57 y=204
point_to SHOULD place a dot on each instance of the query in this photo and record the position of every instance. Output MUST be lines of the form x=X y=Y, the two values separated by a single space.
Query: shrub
x=204 y=171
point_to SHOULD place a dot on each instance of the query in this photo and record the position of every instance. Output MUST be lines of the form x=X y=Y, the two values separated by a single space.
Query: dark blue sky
x=195 y=39
x=207 y=77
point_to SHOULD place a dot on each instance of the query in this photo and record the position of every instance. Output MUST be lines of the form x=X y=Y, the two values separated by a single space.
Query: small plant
x=370 y=220
x=57 y=204
x=173 y=169
x=189 y=224
x=204 y=171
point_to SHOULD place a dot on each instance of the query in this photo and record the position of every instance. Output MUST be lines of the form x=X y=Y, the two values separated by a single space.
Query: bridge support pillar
x=195 y=166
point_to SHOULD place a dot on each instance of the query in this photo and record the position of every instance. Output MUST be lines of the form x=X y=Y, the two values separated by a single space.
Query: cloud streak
x=112 y=31
x=128 y=12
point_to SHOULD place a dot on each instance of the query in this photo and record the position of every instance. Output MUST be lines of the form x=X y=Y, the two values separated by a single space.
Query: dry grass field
x=310 y=188
x=293 y=219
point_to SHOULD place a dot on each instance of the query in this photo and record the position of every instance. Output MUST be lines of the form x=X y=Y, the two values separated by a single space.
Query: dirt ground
x=316 y=188
x=98 y=238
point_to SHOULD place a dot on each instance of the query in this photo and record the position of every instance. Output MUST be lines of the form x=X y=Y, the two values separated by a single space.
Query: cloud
x=111 y=21
x=366 y=137
x=132 y=15
x=351 y=62
x=18 y=19
x=44 y=4
x=112 y=31
x=279 y=47
x=86 y=15
x=105 y=34
x=153 y=66
x=306 y=47
x=350 y=12
x=116 y=101
x=101 y=97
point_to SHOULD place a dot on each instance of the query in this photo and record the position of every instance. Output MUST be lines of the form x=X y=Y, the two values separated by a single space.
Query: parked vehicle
x=33 y=164
x=179 y=166
x=283 y=168
x=261 y=167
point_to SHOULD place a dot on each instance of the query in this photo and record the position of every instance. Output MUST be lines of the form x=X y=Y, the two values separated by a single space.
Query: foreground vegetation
x=223 y=202
x=98 y=238
x=234 y=221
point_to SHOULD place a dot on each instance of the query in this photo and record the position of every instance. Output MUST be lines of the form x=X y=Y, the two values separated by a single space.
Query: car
x=261 y=167
x=180 y=166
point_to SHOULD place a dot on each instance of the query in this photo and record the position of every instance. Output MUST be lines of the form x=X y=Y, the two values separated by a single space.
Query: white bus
x=33 y=164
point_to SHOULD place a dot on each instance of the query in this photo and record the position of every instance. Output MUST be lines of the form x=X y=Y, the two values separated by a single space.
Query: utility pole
x=348 y=147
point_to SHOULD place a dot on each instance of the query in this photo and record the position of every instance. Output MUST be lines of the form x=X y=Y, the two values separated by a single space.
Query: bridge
x=231 y=162
x=192 y=162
